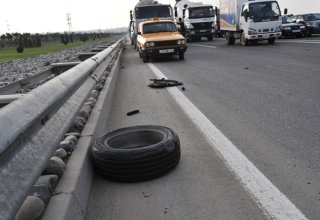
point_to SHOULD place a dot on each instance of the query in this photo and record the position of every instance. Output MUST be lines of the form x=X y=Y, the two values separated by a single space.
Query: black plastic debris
x=162 y=83
x=133 y=112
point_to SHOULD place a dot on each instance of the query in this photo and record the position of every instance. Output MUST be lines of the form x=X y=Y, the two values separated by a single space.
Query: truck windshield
x=159 y=27
x=160 y=11
x=264 y=11
x=201 y=12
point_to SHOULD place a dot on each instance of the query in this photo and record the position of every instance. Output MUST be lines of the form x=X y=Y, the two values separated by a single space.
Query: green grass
x=10 y=54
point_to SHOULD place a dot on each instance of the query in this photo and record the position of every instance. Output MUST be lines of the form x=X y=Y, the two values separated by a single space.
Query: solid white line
x=200 y=45
x=301 y=42
x=267 y=196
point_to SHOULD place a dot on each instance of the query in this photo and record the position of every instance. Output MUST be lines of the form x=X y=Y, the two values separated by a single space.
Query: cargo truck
x=196 y=19
x=146 y=10
x=250 y=20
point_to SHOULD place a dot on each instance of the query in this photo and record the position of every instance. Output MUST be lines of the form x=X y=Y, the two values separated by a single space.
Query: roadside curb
x=73 y=192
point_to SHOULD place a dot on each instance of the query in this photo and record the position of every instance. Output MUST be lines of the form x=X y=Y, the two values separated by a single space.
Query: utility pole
x=8 y=26
x=69 y=22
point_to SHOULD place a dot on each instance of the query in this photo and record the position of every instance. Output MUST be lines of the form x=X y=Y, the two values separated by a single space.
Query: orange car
x=159 y=38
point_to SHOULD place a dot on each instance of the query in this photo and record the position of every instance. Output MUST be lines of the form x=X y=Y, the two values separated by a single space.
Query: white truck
x=196 y=19
x=146 y=10
x=250 y=20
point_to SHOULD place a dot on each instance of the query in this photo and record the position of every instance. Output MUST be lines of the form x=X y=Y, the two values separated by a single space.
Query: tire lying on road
x=136 y=153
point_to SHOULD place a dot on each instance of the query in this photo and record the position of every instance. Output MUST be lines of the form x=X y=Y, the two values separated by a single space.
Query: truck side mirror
x=285 y=11
x=131 y=18
x=175 y=12
x=184 y=13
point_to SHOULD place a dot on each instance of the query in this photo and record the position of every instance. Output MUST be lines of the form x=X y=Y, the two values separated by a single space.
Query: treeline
x=27 y=40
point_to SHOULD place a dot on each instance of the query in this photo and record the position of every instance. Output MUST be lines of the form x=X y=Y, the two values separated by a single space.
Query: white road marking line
x=200 y=45
x=268 y=197
x=301 y=42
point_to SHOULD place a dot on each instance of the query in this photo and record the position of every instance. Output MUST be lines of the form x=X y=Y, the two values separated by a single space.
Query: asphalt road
x=265 y=99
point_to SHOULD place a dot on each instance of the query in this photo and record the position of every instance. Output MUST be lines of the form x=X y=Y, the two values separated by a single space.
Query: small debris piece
x=133 y=112
x=183 y=89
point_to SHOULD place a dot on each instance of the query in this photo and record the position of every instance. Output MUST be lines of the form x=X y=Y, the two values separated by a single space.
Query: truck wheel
x=231 y=40
x=181 y=56
x=271 y=40
x=136 y=153
x=145 y=58
x=244 y=41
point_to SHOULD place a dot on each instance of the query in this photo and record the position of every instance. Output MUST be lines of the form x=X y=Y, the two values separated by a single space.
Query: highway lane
x=266 y=100
x=201 y=187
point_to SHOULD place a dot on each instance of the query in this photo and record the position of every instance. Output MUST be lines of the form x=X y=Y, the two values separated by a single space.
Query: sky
x=40 y=16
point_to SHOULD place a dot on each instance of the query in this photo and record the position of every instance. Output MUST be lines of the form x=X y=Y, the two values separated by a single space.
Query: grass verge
x=10 y=54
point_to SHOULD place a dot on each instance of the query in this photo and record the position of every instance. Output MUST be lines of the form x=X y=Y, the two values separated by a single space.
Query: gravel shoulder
x=13 y=71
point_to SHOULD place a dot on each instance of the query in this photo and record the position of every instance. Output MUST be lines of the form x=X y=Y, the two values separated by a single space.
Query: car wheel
x=271 y=40
x=181 y=56
x=308 y=33
x=136 y=153
x=145 y=58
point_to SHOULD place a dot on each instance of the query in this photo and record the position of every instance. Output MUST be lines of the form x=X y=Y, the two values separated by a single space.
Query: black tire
x=136 y=153
x=231 y=40
x=181 y=56
x=271 y=40
x=244 y=41
x=210 y=38
x=145 y=58
x=308 y=33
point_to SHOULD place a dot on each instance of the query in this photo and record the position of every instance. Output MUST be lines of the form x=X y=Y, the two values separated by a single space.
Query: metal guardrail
x=32 y=126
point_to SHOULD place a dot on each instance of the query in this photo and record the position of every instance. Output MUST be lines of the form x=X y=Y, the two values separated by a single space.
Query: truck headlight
x=252 y=31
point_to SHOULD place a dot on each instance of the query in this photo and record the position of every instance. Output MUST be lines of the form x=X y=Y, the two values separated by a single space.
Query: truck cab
x=146 y=10
x=251 y=21
x=196 y=19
